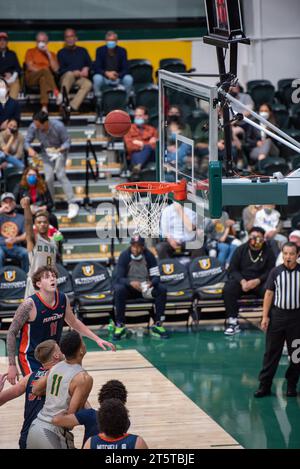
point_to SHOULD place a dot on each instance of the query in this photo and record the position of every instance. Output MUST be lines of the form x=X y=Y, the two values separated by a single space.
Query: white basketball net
x=145 y=209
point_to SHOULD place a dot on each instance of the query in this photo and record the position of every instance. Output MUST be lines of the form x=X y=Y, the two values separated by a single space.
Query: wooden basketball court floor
x=159 y=412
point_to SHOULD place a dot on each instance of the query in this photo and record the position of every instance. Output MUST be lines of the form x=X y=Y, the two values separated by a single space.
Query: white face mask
x=136 y=258
x=264 y=114
x=3 y=93
x=41 y=45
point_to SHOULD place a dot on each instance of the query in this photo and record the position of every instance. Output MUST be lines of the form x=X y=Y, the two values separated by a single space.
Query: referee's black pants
x=233 y=292
x=284 y=326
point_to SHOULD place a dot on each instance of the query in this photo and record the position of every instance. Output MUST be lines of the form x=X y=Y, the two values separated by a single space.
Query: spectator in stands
x=32 y=185
x=178 y=228
x=222 y=231
x=137 y=276
x=111 y=66
x=114 y=430
x=294 y=237
x=248 y=271
x=55 y=144
x=9 y=107
x=177 y=126
x=11 y=146
x=141 y=140
x=269 y=220
x=244 y=99
x=9 y=66
x=264 y=146
x=12 y=233
x=248 y=216
x=41 y=67
x=74 y=68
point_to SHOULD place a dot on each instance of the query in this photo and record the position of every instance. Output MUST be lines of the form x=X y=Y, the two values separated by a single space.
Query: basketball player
x=41 y=249
x=113 y=420
x=67 y=389
x=88 y=417
x=48 y=354
x=41 y=317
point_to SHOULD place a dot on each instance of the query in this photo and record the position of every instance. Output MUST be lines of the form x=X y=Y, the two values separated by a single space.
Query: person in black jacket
x=137 y=276
x=9 y=108
x=248 y=272
x=9 y=66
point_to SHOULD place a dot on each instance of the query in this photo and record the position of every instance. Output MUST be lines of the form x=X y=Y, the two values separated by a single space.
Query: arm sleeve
x=30 y=136
x=87 y=59
x=61 y=62
x=270 y=285
x=84 y=416
x=99 y=63
x=153 y=268
x=124 y=63
x=270 y=265
x=234 y=268
x=17 y=64
x=66 y=141
x=17 y=111
x=121 y=276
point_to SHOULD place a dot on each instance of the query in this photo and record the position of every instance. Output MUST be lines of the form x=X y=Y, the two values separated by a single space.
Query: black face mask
x=13 y=131
x=174 y=119
x=233 y=94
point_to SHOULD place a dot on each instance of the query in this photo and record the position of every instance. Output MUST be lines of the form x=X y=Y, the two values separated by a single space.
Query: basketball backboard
x=185 y=154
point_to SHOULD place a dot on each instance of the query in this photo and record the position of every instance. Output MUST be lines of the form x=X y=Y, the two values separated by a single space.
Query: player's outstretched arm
x=82 y=329
x=30 y=238
x=14 y=391
x=20 y=318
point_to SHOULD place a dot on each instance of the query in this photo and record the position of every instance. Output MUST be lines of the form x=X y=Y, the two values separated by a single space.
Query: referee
x=282 y=300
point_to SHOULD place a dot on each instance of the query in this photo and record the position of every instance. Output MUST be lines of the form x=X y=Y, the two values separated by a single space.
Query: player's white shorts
x=44 y=435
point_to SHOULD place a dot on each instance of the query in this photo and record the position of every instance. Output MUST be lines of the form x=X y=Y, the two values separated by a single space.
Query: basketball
x=117 y=123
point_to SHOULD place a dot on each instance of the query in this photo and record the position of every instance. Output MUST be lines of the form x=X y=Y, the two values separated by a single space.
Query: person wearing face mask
x=137 y=276
x=41 y=66
x=244 y=98
x=141 y=140
x=32 y=185
x=269 y=220
x=74 y=68
x=264 y=147
x=248 y=272
x=111 y=66
x=11 y=146
x=9 y=107
x=177 y=126
x=9 y=66
x=12 y=232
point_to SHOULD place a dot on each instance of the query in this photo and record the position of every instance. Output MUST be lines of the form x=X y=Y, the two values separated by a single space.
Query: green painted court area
x=220 y=375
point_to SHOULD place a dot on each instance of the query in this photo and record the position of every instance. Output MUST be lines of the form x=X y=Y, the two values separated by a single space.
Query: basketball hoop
x=145 y=202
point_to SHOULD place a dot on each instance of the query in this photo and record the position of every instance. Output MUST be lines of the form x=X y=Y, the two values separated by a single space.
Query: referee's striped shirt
x=286 y=285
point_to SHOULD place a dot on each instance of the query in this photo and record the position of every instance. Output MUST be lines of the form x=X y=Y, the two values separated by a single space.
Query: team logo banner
x=168 y=269
x=10 y=275
x=88 y=270
x=205 y=264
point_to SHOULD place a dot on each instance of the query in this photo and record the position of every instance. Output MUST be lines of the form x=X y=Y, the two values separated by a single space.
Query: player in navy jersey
x=88 y=417
x=114 y=421
x=41 y=317
x=48 y=354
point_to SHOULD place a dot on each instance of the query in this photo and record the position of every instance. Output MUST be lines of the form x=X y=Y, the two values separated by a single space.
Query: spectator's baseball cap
x=3 y=34
x=137 y=240
x=294 y=234
x=7 y=195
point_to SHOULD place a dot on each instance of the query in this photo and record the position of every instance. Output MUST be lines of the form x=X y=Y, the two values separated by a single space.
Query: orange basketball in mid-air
x=117 y=123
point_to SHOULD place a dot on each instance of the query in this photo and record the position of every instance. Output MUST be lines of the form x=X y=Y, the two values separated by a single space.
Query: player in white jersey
x=67 y=388
x=41 y=249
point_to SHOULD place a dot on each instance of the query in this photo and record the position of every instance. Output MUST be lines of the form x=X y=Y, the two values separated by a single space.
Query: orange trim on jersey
x=23 y=349
x=111 y=440
x=44 y=302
